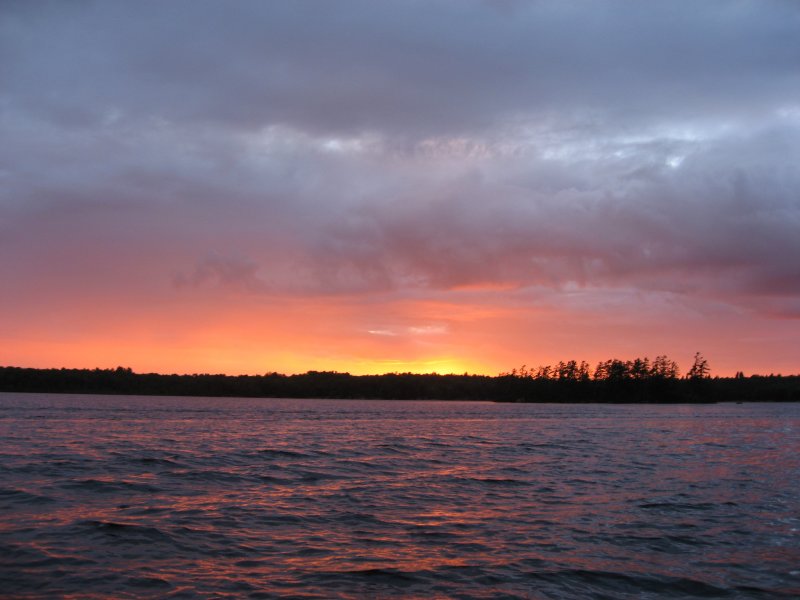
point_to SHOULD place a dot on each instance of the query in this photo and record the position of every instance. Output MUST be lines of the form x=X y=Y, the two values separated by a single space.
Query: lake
x=132 y=497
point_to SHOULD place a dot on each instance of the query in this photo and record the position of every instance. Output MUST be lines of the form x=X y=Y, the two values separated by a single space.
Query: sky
x=427 y=186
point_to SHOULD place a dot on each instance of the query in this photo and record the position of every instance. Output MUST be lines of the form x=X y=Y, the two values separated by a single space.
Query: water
x=197 y=497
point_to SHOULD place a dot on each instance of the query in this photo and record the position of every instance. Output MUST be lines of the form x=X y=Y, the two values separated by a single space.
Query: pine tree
x=700 y=368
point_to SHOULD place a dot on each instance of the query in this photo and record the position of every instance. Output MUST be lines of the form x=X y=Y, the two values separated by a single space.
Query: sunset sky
x=362 y=186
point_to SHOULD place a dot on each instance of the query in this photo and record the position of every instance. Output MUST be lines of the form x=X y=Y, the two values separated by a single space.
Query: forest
x=612 y=381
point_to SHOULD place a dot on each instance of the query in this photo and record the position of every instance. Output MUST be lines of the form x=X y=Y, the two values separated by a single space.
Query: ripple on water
x=10 y=498
x=112 y=486
x=123 y=533
x=189 y=497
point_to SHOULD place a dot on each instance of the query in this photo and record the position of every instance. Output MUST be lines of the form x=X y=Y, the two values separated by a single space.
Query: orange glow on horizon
x=463 y=333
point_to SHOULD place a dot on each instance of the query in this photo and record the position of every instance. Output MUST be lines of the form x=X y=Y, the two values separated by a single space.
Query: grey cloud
x=712 y=226
x=225 y=271
x=402 y=68
x=356 y=147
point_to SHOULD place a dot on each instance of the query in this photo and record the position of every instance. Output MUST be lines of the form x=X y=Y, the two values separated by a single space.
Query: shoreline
x=506 y=388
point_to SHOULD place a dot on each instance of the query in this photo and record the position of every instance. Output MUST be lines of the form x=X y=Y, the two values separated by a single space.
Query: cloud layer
x=590 y=157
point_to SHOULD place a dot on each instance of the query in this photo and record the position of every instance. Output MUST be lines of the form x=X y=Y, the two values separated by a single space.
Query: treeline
x=613 y=380
x=639 y=380
x=314 y=384
x=613 y=370
x=643 y=381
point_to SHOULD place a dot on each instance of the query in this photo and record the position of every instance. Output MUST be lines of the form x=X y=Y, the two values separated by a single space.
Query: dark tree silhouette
x=615 y=380
x=700 y=368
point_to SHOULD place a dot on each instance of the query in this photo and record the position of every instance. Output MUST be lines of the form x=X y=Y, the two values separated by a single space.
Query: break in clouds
x=313 y=148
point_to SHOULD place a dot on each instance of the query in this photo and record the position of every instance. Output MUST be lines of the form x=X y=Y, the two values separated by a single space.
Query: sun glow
x=252 y=335
x=442 y=366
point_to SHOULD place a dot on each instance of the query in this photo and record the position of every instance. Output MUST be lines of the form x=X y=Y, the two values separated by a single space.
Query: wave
x=103 y=486
x=598 y=583
x=21 y=497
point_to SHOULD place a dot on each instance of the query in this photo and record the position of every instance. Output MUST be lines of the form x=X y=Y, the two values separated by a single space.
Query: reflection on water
x=194 y=497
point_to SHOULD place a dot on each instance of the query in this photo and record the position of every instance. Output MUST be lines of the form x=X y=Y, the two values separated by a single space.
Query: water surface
x=216 y=497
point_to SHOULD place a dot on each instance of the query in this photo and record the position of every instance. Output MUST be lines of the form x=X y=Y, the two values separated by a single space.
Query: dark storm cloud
x=713 y=225
x=405 y=68
x=320 y=147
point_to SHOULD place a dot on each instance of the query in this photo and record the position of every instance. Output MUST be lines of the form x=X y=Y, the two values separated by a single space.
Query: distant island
x=611 y=381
